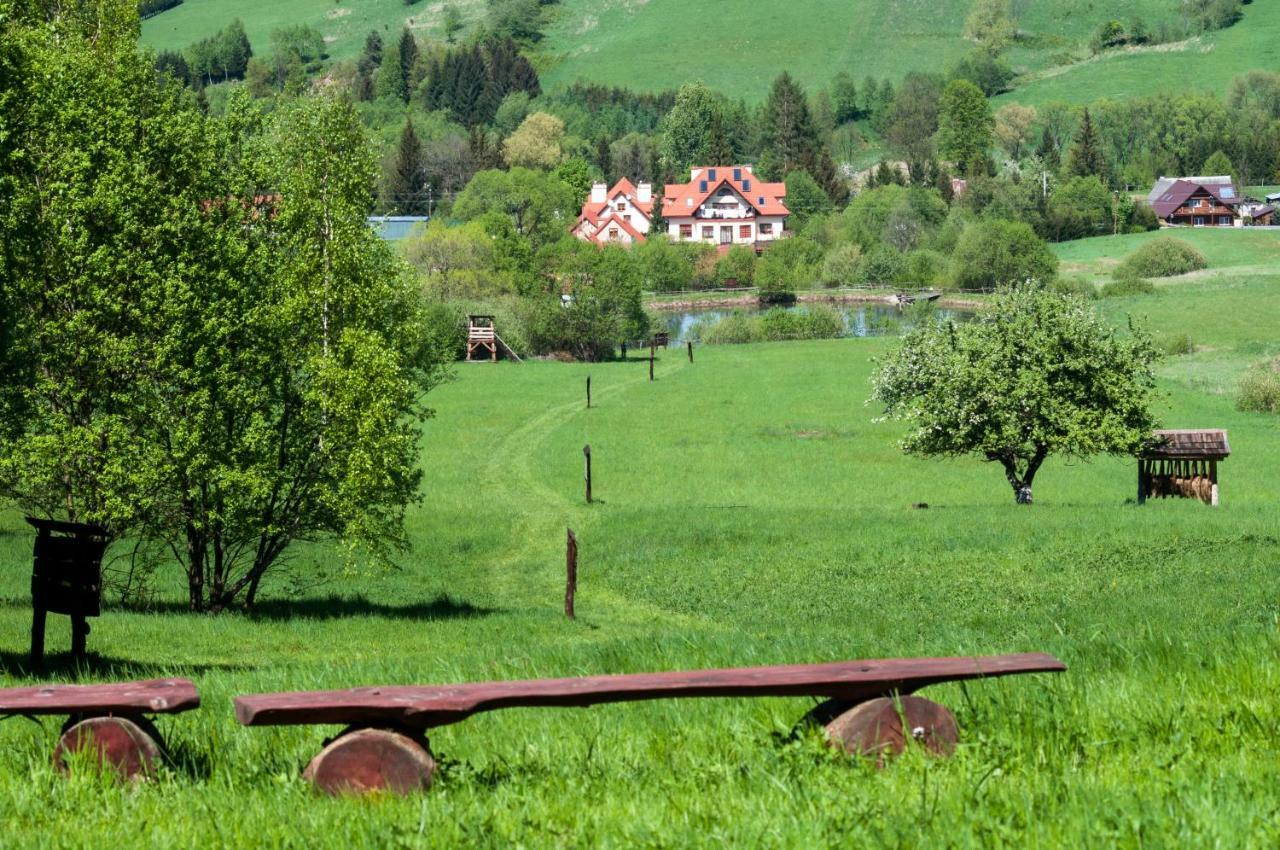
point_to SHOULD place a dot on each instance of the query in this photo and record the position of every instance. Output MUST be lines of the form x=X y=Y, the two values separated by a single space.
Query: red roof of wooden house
x=1182 y=190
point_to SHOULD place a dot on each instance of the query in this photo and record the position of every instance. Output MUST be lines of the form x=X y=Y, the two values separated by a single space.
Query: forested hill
x=739 y=46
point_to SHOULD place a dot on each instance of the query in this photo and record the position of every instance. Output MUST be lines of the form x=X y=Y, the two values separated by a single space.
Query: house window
x=726 y=235
x=708 y=233
x=686 y=231
x=627 y=217
x=744 y=231
x=1198 y=221
x=1224 y=220
x=766 y=228
x=622 y=205
x=613 y=233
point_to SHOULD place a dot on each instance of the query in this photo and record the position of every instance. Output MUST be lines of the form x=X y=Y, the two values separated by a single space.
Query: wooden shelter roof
x=1190 y=444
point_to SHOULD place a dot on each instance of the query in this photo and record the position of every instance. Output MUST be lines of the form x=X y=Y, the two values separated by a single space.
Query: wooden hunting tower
x=481 y=336
x=66 y=578
x=1183 y=464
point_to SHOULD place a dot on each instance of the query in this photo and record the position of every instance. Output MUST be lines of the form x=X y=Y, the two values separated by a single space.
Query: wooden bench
x=870 y=709
x=106 y=721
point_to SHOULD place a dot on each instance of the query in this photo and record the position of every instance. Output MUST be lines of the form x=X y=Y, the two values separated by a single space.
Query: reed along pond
x=829 y=320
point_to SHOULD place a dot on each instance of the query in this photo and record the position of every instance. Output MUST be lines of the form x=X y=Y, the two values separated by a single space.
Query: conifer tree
x=406 y=182
x=1085 y=159
x=604 y=158
x=719 y=149
x=408 y=56
x=391 y=81
x=1048 y=150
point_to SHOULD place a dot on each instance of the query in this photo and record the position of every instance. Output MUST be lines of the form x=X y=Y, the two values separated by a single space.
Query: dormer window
x=712 y=174
x=737 y=174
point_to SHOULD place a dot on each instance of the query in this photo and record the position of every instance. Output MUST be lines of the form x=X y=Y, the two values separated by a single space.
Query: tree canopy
x=1037 y=373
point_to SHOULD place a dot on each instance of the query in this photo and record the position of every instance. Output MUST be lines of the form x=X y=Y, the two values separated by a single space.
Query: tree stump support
x=880 y=728
x=364 y=760
x=129 y=746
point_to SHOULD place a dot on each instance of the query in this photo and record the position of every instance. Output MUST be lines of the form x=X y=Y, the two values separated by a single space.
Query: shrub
x=992 y=254
x=773 y=325
x=1076 y=286
x=1177 y=343
x=1260 y=389
x=1126 y=286
x=1143 y=219
x=737 y=265
x=882 y=264
x=841 y=265
x=925 y=268
x=1162 y=257
x=733 y=329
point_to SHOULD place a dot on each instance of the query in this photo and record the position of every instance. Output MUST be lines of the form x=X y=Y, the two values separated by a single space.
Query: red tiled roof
x=1183 y=190
x=681 y=200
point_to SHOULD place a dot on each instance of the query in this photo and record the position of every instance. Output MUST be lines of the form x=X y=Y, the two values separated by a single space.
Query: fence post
x=690 y=344
x=586 y=453
x=588 y=392
x=571 y=572
x=653 y=348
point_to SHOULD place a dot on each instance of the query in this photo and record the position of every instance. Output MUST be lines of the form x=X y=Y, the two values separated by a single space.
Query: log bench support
x=870 y=710
x=107 y=724
x=368 y=759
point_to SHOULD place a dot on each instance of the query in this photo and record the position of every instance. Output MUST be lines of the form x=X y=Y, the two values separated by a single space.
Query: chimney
x=644 y=193
x=598 y=192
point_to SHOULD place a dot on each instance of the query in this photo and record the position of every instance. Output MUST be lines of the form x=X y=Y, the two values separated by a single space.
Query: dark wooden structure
x=661 y=339
x=66 y=578
x=1183 y=464
x=403 y=714
x=106 y=722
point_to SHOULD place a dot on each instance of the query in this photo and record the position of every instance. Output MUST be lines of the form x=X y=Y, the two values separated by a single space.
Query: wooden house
x=1197 y=202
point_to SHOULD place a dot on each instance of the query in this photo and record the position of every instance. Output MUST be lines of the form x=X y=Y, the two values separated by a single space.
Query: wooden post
x=690 y=344
x=652 y=351
x=1213 y=483
x=1142 y=481
x=79 y=635
x=588 y=392
x=624 y=351
x=586 y=453
x=37 y=635
x=571 y=572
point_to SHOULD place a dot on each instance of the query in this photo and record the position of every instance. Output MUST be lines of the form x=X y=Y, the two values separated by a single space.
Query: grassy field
x=658 y=44
x=1207 y=63
x=751 y=510
x=344 y=23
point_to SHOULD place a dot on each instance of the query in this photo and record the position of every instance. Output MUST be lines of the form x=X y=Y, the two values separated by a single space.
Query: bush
x=991 y=254
x=841 y=265
x=1162 y=257
x=883 y=264
x=1260 y=389
x=925 y=268
x=1075 y=286
x=1126 y=286
x=774 y=325
x=1143 y=219
x=738 y=266
x=1175 y=344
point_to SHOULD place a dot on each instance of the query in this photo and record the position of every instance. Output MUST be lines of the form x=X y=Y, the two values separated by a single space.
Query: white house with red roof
x=620 y=215
x=725 y=205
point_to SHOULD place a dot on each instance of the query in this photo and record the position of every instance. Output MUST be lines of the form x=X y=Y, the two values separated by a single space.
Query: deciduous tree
x=1036 y=374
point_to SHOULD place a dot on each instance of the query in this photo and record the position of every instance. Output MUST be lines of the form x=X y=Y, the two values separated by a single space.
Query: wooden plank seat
x=870 y=708
x=107 y=722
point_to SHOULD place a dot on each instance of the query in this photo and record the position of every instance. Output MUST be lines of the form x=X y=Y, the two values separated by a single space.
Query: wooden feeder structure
x=1183 y=464
x=66 y=578
x=482 y=338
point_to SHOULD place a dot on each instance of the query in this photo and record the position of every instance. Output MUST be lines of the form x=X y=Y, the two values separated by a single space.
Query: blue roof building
x=396 y=227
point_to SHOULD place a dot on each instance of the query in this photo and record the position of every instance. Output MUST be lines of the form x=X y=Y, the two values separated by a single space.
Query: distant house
x=725 y=205
x=1204 y=202
x=396 y=227
x=1273 y=198
x=620 y=215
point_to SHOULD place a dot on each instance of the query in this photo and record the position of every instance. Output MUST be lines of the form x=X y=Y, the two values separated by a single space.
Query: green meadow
x=739 y=46
x=750 y=510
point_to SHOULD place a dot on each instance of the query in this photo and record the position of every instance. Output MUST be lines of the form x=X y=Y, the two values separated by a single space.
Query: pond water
x=860 y=320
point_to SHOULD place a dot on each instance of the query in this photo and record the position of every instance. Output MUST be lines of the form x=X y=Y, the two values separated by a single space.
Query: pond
x=860 y=320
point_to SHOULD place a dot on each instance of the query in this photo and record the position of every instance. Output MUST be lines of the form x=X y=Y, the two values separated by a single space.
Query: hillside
x=344 y=24
x=1208 y=63
x=661 y=43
